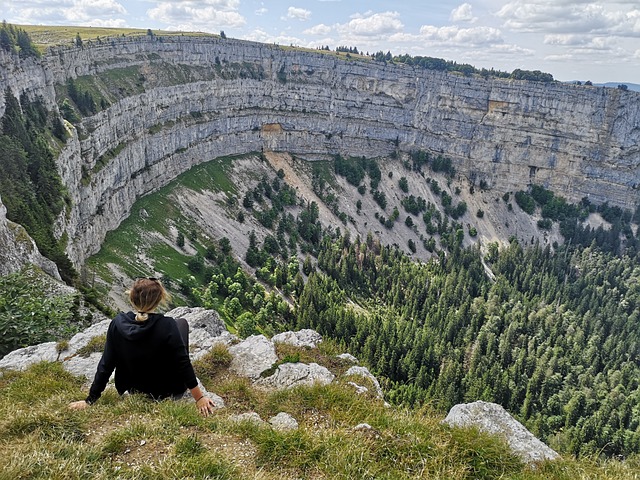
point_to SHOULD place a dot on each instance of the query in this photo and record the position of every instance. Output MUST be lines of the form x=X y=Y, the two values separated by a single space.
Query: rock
x=348 y=357
x=216 y=399
x=289 y=375
x=364 y=372
x=362 y=426
x=283 y=422
x=83 y=366
x=81 y=339
x=251 y=417
x=367 y=430
x=200 y=318
x=302 y=338
x=24 y=357
x=252 y=356
x=205 y=329
x=492 y=418
x=360 y=390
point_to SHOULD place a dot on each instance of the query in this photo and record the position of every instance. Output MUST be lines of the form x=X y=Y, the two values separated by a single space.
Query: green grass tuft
x=189 y=446
x=94 y=345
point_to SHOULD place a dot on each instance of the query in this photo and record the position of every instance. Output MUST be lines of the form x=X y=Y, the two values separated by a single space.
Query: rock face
x=228 y=97
x=18 y=249
x=493 y=419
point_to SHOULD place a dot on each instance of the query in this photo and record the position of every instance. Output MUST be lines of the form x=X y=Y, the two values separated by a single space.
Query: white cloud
x=372 y=24
x=295 y=13
x=281 y=38
x=78 y=12
x=261 y=11
x=463 y=13
x=85 y=10
x=111 y=23
x=462 y=36
x=565 y=39
x=320 y=29
x=209 y=16
x=571 y=16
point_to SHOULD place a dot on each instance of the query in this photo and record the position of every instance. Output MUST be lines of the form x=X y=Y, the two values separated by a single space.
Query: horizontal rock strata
x=193 y=99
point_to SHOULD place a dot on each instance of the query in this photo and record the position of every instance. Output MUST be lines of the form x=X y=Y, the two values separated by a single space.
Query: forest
x=548 y=332
x=30 y=186
x=553 y=337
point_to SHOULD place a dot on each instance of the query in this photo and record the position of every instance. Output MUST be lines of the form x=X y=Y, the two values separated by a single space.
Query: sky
x=571 y=39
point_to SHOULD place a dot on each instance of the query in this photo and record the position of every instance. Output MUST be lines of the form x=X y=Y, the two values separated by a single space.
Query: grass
x=162 y=214
x=48 y=35
x=96 y=344
x=133 y=437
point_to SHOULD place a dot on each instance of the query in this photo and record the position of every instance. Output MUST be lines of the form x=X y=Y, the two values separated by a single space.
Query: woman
x=148 y=351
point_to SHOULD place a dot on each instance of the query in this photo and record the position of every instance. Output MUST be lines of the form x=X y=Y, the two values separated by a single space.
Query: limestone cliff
x=178 y=101
x=18 y=249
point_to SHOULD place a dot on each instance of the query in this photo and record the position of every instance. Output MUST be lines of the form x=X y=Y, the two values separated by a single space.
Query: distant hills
x=631 y=86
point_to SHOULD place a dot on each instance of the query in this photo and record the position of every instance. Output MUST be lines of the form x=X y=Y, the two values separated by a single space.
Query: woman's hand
x=205 y=406
x=79 y=405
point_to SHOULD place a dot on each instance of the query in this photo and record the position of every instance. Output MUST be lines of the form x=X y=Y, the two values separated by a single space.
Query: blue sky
x=571 y=39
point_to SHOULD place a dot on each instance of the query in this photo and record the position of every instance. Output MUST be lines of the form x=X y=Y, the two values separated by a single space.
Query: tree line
x=30 y=185
x=16 y=40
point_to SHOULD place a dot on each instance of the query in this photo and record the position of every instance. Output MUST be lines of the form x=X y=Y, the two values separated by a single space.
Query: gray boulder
x=289 y=375
x=250 y=417
x=493 y=419
x=216 y=399
x=81 y=339
x=302 y=338
x=200 y=318
x=205 y=329
x=348 y=357
x=83 y=366
x=364 y=372
x=283 y=422
x=360 y=390
x=22 y=358
x=252 y=356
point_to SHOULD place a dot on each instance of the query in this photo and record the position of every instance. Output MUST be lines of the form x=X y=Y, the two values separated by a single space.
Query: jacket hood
x=131 y=329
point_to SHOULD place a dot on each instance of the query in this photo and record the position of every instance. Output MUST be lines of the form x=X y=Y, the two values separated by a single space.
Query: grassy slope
x=137 y=438
x=49 y=35
x=163 y=215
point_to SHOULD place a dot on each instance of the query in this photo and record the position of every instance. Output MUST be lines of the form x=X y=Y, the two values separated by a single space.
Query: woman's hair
x=145 y=295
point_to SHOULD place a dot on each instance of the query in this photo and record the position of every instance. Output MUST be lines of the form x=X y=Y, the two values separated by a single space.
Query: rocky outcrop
x=493 y=419
x=18 y=249
x=253 y=356
x=302 y=338
x=365 y=373
x=290 y=375
x=231 y=97
x=283 y=422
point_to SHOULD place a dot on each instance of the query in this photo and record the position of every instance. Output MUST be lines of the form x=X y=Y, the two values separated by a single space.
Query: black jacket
x=148 y=357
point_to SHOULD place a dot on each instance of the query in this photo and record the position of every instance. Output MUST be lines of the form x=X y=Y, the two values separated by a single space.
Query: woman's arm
x=103 y=373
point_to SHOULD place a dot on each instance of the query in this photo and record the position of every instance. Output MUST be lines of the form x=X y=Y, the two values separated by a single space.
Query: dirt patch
x=272 y=128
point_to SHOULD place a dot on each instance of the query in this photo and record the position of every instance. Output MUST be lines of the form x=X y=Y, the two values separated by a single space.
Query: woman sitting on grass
x=148 y=351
